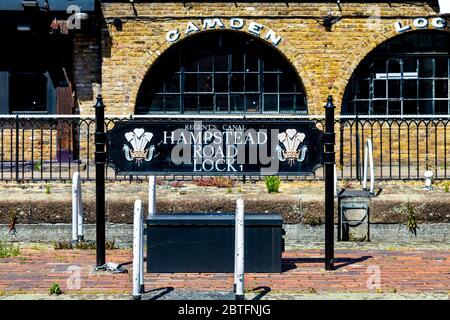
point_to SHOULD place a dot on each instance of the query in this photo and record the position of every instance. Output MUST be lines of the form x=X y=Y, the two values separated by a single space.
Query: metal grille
x=224 y=73
x=406 y=75
x=52 y=148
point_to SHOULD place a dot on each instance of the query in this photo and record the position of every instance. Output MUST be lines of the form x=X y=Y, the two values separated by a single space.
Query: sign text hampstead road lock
x=215 y=147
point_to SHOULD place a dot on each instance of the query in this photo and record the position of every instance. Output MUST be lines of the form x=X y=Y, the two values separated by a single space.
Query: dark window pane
x=172 y=103
x=191 y=82
x=362 y=107
x=425 y=88
x=378 y=66
x=379 y=107
x=270 y=82
x=442 y=67
x=221 y=62
x=394 y=88
x=222 y=103
x=237 y=103
x=190 y=62
x=237 y=83
x=441 y=107
x=379 y=89
x=156 y=104
x=221 y=82
x=426 y=107
x=205 y=83
x=271 y=64
x=270 y=102
x=237 y=62
x=426 y=68
x=173 y=84
x=441 y=88
x=205 y=63
x=28 y=92
x=410 y=65
x=190 y=103
x=252 y=82
x=394 y=66
x=362 y=89
x=409 y=107
x=287 y=83
x=252 y=101
x=287 y=103
x=348 y=107
x=410 y=89
x=251 y=62
x=395 y=107
x=206 y=102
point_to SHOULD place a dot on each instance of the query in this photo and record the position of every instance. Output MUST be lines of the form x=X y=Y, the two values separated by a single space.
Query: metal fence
x=52 y=148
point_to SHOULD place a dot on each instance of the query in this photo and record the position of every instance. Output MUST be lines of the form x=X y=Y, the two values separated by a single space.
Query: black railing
x=37 y=148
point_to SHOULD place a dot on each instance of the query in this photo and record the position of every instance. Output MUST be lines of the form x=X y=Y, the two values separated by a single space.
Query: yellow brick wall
x=323 y=60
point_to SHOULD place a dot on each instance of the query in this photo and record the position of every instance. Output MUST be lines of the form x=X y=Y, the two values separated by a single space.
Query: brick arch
x=146 y=61
x=353 y=59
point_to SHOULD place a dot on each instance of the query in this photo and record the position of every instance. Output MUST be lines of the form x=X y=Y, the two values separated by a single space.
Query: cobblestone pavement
x=403 y=273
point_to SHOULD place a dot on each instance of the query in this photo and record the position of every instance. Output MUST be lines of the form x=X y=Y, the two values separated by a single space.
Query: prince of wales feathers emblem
x=138 y=139
x=291 y=140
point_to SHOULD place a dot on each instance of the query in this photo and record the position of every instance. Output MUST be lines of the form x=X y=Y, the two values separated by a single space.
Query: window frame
x=258 y=93
x=351 y=99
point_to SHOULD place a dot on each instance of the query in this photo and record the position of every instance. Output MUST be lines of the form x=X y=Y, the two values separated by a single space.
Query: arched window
x=221 y=72
x=407 y=75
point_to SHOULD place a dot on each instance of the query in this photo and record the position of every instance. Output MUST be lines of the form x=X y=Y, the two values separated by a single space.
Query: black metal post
x=329 y=162
x=100 y=161
x=17 y=148
x=358 y=151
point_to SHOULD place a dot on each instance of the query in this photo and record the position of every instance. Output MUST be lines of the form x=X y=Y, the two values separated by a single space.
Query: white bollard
x=141 y=258
x=368 y=161
x=80 y=214
x=239 y=250
x=151 y=195
x=75 y=204
x=137 y=249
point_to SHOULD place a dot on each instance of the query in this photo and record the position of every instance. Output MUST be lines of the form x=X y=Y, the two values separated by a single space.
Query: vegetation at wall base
x=272 y=184
x=412 y=219
x=219 y=182
x=81 y=245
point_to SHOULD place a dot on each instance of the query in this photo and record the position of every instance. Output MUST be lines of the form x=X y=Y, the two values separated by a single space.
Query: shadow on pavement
x=264 y=290
x=290 y=263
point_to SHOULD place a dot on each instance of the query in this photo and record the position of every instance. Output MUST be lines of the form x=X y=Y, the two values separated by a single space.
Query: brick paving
x=418 y=271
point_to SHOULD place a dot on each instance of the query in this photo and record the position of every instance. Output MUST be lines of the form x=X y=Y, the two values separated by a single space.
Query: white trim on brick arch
x=444 y=6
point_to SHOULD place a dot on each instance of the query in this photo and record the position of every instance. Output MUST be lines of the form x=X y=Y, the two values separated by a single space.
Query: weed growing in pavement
x=48 y=188
x=55 y=289
x=8 y=250
x=229 y=190
x=447 y=186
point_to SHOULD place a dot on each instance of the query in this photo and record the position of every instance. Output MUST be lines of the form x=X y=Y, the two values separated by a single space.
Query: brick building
x=226 y=57
x=274 y=57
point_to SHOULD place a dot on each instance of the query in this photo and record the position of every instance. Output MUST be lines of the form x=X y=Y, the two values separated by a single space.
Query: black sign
x=232 y=147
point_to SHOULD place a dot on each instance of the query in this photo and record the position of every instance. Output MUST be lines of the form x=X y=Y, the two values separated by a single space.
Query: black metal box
x=205 y=243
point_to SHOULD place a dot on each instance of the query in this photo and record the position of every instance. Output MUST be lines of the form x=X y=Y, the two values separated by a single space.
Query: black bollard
x=100 y=161
x=329 y=162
